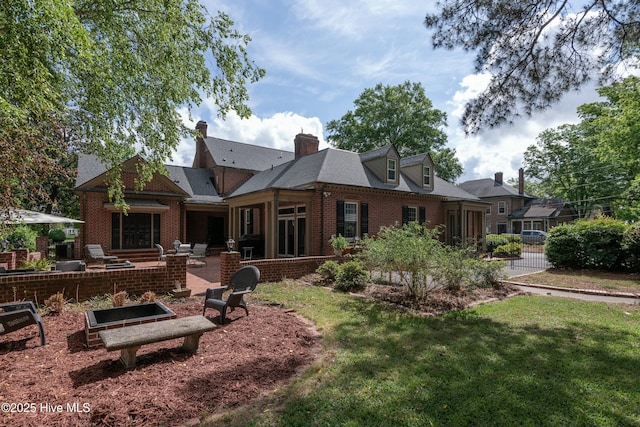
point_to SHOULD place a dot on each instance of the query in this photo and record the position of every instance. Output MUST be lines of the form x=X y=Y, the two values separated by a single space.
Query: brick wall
x=83 y=285
x=271 y=270
x=8 y=258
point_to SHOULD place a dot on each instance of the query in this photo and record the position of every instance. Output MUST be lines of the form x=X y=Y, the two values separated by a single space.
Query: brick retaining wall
x=83 y=285
x=271 y=270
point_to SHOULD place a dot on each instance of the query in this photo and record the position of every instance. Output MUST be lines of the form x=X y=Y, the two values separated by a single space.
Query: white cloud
x=277 y=131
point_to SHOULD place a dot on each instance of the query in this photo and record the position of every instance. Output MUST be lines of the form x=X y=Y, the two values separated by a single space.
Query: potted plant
x=339 y=244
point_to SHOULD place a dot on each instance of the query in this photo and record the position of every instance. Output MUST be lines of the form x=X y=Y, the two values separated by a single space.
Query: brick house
x=513 y=210
x=278 y=202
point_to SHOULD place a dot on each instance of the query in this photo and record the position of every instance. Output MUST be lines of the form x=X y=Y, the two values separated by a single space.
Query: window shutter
x=423 y=215
x=340 y=217
x=405 y=214
x=364 y=219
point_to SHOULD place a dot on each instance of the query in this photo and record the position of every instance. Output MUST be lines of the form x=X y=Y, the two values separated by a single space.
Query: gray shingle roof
x=484 y=188
x=89 y=167
x=197 y=182
x=245 y=156
x=332 y=166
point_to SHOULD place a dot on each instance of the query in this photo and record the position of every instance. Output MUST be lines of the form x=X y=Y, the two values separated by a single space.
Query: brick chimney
x=200 y=160
x=521 y=181
x=202 y=127
x=498 y=178
x=305 y=144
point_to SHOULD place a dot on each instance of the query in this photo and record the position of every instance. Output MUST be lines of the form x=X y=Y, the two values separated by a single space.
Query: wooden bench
x=130 y=338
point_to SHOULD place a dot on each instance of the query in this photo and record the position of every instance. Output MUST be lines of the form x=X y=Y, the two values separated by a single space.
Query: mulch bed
x=239 y=361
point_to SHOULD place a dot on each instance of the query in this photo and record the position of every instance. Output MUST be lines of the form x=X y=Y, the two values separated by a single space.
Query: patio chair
x=96 y=253
x=199 y=253
x=17 y=315
x=161 y=255
x=243 y=281
x=184 y=248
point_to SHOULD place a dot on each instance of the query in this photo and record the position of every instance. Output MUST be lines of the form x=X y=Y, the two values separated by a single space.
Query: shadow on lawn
x=467 y=369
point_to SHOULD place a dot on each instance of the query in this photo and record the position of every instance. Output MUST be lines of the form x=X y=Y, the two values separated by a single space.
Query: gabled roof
x=540 y=208
x=333 y=166
x=198 y=183
x=417 y=159
x=91 y=174
x=378 y=153
x=485 y=188
x=245 y=156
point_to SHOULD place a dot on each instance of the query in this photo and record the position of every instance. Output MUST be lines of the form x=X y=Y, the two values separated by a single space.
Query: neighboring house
x=513 y=210
x=281 y=203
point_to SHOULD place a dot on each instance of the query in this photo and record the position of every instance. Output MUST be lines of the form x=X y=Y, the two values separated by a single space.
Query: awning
x=139 y=205
x=23 y=216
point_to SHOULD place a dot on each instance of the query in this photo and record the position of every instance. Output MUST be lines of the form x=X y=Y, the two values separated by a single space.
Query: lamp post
x=230 y=244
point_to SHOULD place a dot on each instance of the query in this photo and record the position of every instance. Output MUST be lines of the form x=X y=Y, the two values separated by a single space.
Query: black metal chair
x=243 y=281
x=17 y=315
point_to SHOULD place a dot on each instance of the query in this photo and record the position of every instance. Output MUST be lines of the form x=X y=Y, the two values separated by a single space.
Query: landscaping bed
x=240 y=361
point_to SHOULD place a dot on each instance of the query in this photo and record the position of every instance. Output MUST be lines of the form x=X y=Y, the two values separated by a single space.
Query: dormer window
x=426 y=176
x=391 y=170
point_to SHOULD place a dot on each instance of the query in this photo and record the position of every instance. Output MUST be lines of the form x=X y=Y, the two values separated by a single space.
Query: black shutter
x=340 y=217
x=364 y=219
x=405 y=214
x=423 y=215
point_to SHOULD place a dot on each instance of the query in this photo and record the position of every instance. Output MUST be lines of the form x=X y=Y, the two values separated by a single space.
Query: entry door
x=286 y=237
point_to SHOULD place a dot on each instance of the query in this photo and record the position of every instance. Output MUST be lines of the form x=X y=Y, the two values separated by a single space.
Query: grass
x=525 y=361
x=585 y=279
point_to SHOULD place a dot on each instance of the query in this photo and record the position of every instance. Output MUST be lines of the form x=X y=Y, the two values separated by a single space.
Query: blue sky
x=320 y=55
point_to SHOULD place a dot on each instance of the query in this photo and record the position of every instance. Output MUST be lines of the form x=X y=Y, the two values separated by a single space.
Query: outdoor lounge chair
x=184 y=248
x=17 y=315
x=199 y=253
x=243 y=282
x=95 y=252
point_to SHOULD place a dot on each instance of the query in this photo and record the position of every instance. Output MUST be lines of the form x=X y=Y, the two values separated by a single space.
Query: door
x=286 y=237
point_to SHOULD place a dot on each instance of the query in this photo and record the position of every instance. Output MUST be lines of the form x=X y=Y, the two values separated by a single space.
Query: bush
x=328 y=271
x=561 y=247
x=350 y=276
x=453 y=269
x=21 y=236
x=57 y=235
x=493 y=241
x=512 y=249
x=42 y=264
x=487 y=274
x=631 y=247
x=590 y=244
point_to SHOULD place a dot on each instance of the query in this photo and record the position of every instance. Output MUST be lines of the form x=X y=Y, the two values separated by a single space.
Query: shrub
x=119 y=299
x=512 y=249
x=350 y=276
x=22 y=236
x=453 y=269
x=55 y=302
x=487 y=274
x=57 y=235
x=590 y=244
x=328 y=271
x=148 y=296
x=42 y=264
x=631 y=247
x=561 y=247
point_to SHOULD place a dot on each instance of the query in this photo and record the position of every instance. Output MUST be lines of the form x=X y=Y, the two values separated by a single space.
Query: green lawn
x=585 y=279
x=524 y=361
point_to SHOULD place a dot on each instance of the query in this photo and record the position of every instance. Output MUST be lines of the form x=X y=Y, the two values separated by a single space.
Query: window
x=426 y=176
x=391 y=170
x=135 y=230
x=489 y=210
x=501 y=208
x=352 y=219
x=412 y=214
x=488 y=227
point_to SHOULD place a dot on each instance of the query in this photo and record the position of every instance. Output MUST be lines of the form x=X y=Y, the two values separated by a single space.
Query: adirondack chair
x=17 y=315
x=243 y=281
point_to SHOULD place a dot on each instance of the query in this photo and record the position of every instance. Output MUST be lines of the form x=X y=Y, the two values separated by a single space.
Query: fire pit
x=118 y=317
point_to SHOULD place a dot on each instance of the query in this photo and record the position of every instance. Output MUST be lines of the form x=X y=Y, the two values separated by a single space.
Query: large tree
x=595 y=162
x=536 y=50
x=401 y=115
x=108 y=77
